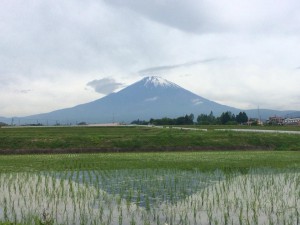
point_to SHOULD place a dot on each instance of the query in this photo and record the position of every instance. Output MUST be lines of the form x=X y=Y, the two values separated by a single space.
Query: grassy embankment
x=64 y=139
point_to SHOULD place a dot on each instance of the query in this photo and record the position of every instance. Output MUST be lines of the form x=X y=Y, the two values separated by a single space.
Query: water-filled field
x=151 y=196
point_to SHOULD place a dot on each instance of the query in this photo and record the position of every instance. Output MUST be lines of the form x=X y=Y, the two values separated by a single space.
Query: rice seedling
x=261 y=196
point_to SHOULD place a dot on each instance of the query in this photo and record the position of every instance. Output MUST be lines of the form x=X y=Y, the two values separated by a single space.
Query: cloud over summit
x=105 y=85
x=170 y=67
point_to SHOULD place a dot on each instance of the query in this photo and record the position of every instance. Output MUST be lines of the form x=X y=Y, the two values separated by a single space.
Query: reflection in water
x=151 y=185
x=151 y=197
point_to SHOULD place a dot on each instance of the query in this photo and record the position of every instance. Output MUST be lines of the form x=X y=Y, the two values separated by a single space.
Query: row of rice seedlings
x=248 y=199
x=150 y=197
x=47 y=186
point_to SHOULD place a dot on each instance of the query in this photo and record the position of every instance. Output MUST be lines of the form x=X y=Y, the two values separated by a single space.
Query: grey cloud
x=170 y=67
x=47 y=37
x=218 y=16
x=105 y=85
x=190 y=16
x=49 y=43
x=24 y=91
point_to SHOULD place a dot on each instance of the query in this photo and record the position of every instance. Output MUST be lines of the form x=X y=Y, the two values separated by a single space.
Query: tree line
x=226 y=118
x=182 y=120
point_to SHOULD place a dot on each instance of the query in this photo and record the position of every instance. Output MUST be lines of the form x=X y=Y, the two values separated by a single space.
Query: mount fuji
x=151 y=97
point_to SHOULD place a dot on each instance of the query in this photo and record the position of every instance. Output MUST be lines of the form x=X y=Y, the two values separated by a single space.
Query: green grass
x=54 y=138
x=227 y=161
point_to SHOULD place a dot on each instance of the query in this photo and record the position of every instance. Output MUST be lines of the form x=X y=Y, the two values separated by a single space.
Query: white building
x=292 y=121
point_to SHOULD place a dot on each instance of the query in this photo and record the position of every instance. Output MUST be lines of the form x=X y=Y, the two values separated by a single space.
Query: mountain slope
x=151 y=97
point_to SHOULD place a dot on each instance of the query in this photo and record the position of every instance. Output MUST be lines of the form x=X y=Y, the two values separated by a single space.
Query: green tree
x=191 y=118
x=242 y=117
x=227 y=117
x=205 y=119
x=211 y=118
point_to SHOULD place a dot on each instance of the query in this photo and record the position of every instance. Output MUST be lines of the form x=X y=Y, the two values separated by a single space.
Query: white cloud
x=104 y=85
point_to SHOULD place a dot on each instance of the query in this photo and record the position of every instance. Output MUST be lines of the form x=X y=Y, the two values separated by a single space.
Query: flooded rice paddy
x=147 y=196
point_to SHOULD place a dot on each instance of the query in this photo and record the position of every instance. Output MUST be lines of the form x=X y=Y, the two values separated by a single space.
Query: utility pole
x=259 y=117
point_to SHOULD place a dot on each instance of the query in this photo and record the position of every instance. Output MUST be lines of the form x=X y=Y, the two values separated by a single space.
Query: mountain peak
x=155 y=81
x=150 y=97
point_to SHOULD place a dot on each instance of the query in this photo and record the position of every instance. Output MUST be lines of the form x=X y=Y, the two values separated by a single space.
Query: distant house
x=275 y=120
x=292 y=121
x=254 y=121
x=2 y=124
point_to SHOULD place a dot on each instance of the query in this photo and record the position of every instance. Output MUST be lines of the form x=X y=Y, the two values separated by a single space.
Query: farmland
x=151 y=196
x=99 y=139
x=204 y=161
x=166 y=186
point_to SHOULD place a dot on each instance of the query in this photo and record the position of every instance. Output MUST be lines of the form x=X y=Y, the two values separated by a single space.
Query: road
x=262 y=131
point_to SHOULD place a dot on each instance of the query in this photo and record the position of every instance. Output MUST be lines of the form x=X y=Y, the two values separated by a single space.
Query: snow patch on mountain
x=151 y=99
x=196 y=101
x=158 y=82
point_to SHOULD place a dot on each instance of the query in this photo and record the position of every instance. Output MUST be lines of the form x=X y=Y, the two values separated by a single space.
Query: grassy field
x=55 y=139
x=204 y=161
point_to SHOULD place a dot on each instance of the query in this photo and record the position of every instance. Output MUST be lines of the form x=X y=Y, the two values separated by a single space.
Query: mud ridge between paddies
x=135 y=149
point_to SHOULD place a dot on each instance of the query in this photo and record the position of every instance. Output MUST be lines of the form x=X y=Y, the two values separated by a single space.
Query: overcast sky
x=57 y=54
